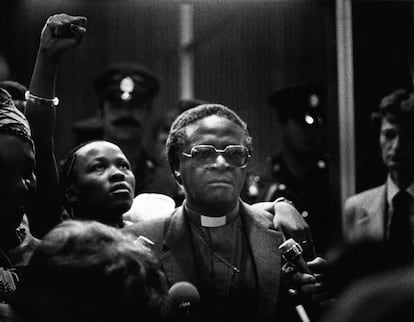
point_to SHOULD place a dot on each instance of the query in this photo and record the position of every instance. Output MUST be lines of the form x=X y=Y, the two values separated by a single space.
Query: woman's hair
x=87 y=271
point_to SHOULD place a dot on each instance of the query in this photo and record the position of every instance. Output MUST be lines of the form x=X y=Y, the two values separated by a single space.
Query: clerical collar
x=211 y=221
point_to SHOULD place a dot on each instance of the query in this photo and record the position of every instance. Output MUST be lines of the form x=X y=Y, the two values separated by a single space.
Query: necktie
x=400 y=230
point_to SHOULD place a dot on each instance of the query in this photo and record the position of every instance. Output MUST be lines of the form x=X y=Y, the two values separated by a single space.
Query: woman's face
x=104 y=182
x=17 y=179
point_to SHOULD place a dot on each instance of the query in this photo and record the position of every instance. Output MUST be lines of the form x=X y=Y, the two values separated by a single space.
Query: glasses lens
x=236 y=155
x=204 y=154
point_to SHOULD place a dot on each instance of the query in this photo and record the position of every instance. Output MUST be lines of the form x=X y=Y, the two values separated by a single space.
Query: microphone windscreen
x=182 y=292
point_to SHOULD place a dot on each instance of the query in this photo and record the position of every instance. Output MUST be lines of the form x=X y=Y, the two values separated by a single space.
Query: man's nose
x=396 y=143
x=221 y=161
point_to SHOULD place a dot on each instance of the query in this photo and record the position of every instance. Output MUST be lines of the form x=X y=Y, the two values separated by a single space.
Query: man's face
x=214 y=187
x=103 y=178
x=17 y=179
x=124 y=120
x=397 y=147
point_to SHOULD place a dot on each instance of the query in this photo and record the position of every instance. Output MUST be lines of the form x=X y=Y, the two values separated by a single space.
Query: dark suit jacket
x=364 y=215
x=173 y=247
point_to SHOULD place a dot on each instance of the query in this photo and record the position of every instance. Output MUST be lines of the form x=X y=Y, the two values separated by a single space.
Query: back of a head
x=87 y=271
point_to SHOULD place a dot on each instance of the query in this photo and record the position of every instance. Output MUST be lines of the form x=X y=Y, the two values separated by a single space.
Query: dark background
x=243 y=50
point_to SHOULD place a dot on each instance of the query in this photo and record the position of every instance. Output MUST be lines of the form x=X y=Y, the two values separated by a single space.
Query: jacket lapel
x=264 y=241
x=178 y=255
x=372 y=217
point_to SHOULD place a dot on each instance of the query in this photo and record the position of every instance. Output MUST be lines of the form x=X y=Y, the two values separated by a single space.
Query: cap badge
x=309 y=119
x=126 y=86
x=314 y=100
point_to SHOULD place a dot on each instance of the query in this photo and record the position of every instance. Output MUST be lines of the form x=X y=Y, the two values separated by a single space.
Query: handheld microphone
x=185 y=299
x=292 y=253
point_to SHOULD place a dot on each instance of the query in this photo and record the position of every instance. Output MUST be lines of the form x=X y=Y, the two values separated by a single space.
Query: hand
x=313 y=285
x=62 y=32
x=291 y=223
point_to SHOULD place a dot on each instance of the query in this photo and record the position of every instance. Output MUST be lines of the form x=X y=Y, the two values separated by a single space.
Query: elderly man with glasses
x=226 y=248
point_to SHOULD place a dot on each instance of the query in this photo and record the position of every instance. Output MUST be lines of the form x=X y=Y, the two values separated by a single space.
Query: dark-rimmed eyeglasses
x=235 y=155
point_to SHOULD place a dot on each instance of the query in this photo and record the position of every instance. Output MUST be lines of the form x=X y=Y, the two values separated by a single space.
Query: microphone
x=292 y=253
x=185 y=299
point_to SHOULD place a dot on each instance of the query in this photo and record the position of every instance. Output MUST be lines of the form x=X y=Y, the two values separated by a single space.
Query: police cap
x=125 y=80
x=302 y=102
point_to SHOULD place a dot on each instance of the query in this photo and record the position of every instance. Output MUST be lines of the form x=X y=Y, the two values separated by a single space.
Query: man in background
x=126 y=93
x=299 y=170
x=386 y=213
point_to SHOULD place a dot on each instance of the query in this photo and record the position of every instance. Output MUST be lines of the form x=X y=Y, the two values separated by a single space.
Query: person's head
x=212 y=181
x=87 y=271
x=17 y=163
x=161 y=126
x=98 y=182
x=395 y=118
x=17 y=91
x=126 y=92
x=300 y=112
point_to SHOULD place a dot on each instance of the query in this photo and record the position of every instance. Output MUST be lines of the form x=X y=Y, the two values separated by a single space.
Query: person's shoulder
x=364 y=197
x=150 y=227
x=259 y=214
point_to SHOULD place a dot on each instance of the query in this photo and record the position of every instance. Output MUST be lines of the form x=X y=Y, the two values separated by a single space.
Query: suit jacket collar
x=179 y=263
x=178 y=257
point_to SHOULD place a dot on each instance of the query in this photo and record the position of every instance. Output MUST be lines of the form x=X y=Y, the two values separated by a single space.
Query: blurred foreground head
x=87 y=271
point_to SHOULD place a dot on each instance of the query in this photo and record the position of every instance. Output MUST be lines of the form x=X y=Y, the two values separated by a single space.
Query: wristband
x=52 y=102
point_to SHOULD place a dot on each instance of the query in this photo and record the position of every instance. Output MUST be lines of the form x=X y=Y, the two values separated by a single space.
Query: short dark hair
x=397 y=106
x=176 y=138
x=92 y=272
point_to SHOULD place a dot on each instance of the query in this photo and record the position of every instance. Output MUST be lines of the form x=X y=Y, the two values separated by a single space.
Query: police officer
x=299 y=171
x=126 y=92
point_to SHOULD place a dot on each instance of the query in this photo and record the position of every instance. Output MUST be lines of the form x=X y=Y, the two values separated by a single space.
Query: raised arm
x=60 y=33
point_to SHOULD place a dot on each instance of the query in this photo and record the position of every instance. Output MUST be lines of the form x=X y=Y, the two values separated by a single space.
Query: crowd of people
x=69 y=253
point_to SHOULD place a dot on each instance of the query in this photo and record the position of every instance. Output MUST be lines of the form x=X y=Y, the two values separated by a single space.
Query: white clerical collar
x=212 y=221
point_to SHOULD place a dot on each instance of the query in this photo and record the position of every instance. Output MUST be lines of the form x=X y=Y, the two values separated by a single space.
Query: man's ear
x=72 y=194
x=177 y=173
